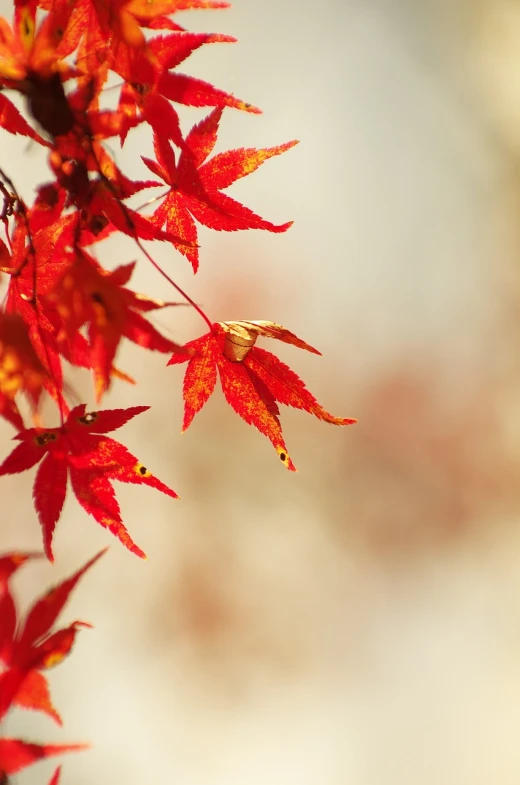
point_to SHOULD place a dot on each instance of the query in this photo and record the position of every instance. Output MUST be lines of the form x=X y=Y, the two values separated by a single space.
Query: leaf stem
x=175 y=286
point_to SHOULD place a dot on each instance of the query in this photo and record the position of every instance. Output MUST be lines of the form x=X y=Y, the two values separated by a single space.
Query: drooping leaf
x=87 y=294
x=253 y=381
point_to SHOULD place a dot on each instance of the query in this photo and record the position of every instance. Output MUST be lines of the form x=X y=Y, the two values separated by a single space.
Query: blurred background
x=357 y=622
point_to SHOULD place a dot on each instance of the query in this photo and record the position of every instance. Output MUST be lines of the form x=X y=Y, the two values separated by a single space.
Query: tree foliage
x=63 y=306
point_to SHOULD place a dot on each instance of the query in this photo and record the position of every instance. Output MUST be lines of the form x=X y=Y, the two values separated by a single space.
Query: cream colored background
x=358 y=622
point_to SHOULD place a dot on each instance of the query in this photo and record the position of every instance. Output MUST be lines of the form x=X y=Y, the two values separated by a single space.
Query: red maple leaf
x=88 y=294
x=80 y=450
x=196 y=185
x=27 y=646
x=106 y=33
x=151 y=84
x=253 y=381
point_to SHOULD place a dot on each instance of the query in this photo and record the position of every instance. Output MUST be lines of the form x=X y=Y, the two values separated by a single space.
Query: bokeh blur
x=358 y=622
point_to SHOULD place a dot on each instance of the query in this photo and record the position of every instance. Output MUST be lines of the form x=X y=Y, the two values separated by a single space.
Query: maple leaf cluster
x=28 y=648
x=61 y=305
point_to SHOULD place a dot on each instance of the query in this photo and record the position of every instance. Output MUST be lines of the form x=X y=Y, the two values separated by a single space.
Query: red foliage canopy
x=62 y=304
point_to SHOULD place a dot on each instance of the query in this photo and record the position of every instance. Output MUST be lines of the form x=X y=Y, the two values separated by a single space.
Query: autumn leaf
x=35 y=262
x=196 y=185
x=253 y=380
x=26 y=51
x=87 y=294
x=31 y=64
x=79 y=450
x=28 y=646
x=151 y=84
x=21 y=371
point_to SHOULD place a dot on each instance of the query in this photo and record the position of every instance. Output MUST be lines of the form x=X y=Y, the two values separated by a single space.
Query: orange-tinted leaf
x=37 y=261
x=20 y=367
x=89 y=294
x=253 y=381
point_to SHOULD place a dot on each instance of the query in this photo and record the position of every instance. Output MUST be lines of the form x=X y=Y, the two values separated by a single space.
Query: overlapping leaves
x=62 y=306
x=29 y=646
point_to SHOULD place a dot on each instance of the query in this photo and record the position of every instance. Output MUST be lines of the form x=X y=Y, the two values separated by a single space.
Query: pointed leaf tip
x=16 y=754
